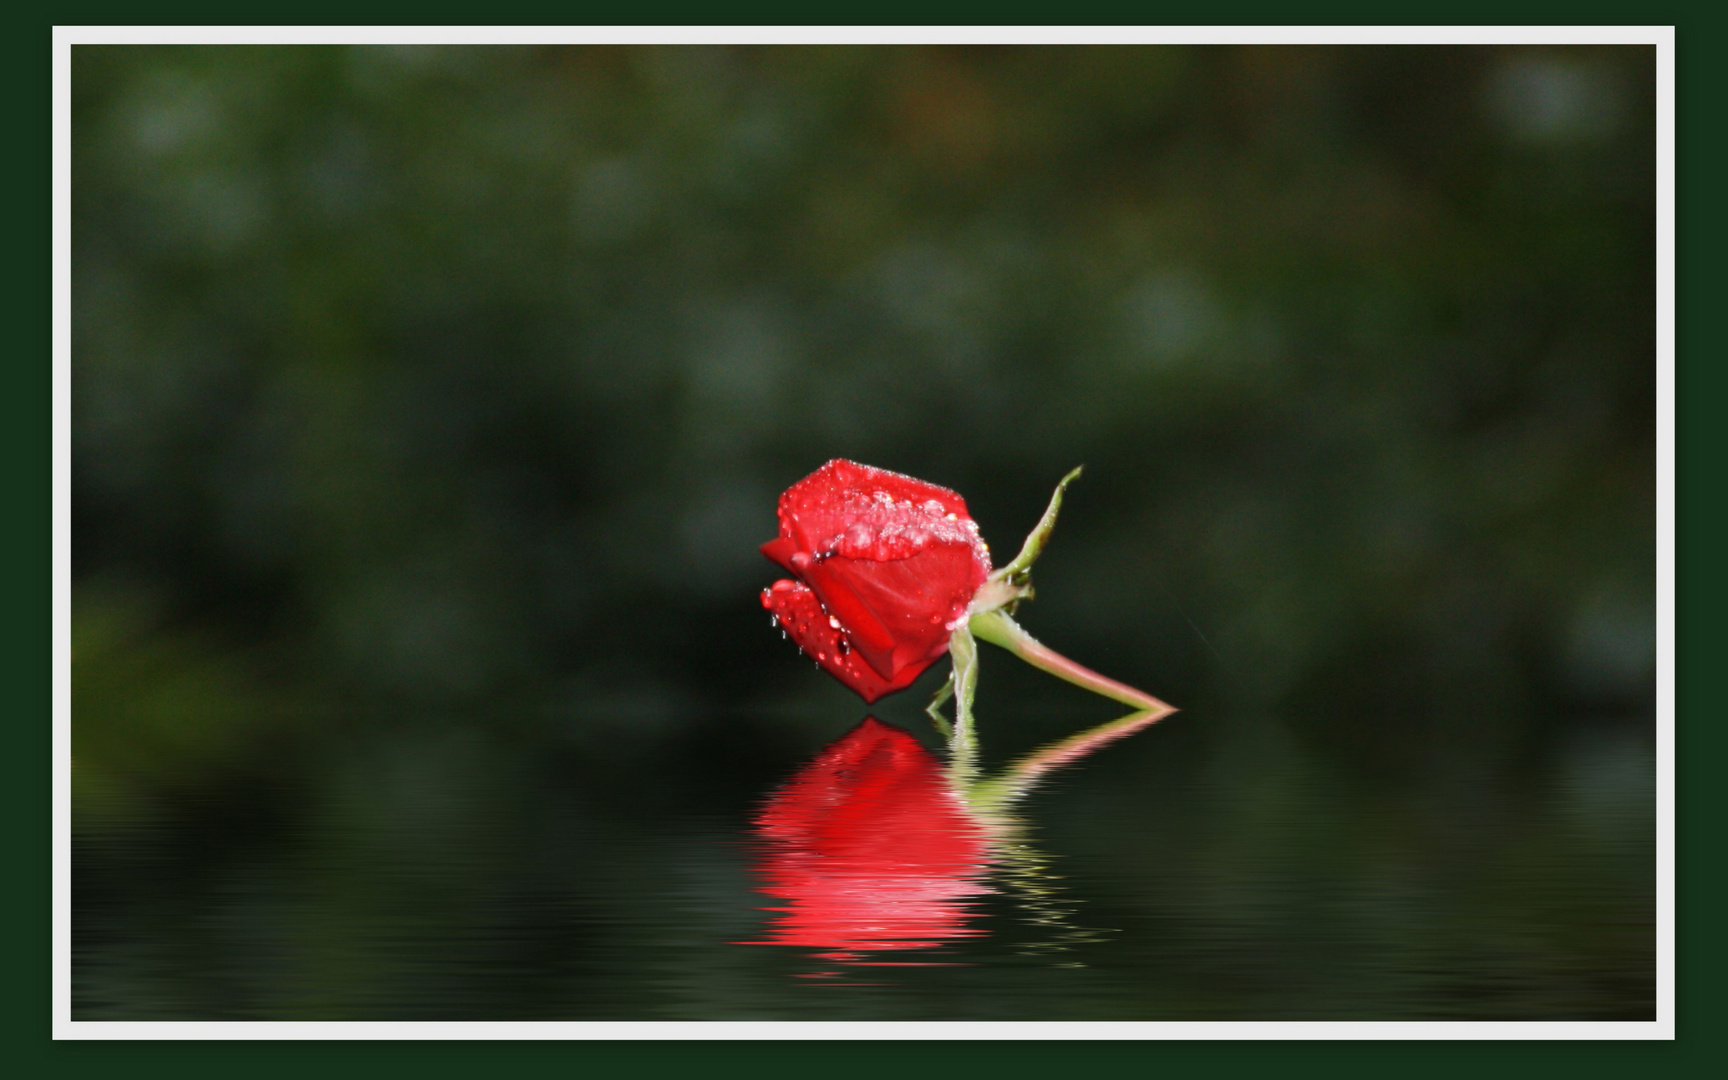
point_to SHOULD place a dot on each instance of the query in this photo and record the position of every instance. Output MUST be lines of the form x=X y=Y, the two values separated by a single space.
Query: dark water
x=1210 y=867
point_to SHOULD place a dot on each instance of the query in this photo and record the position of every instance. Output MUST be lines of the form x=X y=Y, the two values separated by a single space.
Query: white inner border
x=65 y=37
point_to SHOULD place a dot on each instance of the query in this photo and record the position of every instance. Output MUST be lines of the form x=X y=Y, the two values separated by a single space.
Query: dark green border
x=26 y=450
x=1700 y=742
x=881 y=12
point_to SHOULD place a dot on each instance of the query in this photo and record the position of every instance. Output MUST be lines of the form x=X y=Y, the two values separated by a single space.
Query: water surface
x=468 y=868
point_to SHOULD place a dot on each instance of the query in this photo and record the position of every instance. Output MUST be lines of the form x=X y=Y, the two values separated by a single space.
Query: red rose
x=886 y=568
x=891 y=574
x=871 y=848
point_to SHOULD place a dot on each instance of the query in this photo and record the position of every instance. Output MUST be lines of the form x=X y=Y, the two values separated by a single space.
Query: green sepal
x=1015 y=572
x=934 y=709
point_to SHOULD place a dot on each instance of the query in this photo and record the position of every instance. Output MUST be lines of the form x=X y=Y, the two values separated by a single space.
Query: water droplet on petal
x=833 y=622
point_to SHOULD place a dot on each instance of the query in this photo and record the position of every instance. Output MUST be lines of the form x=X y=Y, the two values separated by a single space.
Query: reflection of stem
x=1025 y=872
x=998 y=629
x=997 y=793
x=1024 y=868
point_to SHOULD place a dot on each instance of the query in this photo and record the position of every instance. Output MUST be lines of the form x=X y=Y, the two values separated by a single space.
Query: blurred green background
x=429 y=404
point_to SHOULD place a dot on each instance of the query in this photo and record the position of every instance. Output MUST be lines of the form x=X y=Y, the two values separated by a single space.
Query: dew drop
x=844 y=646
x=833 y=622
x=821 y=656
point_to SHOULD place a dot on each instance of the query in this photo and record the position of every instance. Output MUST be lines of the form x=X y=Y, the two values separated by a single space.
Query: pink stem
x=998 y=629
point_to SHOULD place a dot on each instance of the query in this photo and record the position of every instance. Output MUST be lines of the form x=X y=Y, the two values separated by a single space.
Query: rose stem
x=934 y=709
x=998 y=629
x=963 y=744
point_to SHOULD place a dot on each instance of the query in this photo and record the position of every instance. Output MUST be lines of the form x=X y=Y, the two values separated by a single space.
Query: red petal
x=865 y=631
x=781 y=551
x=907 y=604
x=892 y=559
x=796 y=608
x=899 y=514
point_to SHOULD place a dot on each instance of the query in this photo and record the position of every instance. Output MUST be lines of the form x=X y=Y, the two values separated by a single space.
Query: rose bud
x=886 y=569
x=891 y=574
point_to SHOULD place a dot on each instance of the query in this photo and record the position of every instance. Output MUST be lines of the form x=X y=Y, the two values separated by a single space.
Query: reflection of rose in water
x=877 y=846
x=872 y=849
